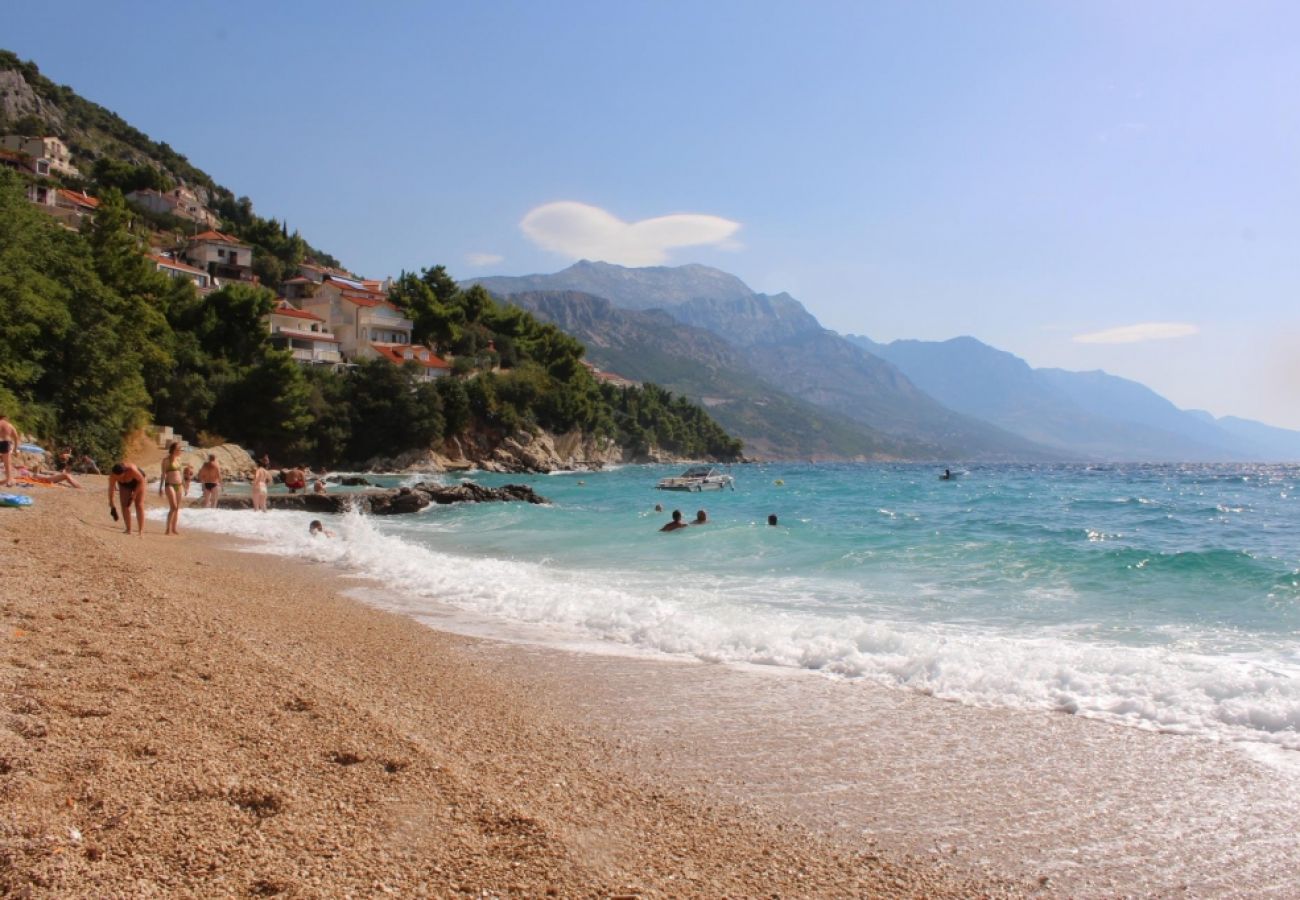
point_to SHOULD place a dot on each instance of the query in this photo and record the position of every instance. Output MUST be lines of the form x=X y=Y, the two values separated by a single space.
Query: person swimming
x=771 y=520
x=701 y=518
x=318 y=528
x=676 y=523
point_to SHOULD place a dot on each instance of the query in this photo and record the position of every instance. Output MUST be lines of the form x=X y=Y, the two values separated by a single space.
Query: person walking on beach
x=210 y=478
x=129 y=482
x=8 y=443
x=261 y=486
x=171 y=486
x=675 y=523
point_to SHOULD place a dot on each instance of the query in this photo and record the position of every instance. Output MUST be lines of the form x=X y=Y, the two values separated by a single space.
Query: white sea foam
x=784 y=621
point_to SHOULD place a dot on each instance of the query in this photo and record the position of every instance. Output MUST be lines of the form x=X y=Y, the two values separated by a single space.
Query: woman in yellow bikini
x=171 y=483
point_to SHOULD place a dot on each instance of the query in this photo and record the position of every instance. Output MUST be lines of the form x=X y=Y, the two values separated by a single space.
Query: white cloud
x=484 y=259
x=580 y=231
x=1133 y=334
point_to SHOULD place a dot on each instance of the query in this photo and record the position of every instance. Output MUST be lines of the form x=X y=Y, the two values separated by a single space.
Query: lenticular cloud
x=1133 y=334
x=581 y=231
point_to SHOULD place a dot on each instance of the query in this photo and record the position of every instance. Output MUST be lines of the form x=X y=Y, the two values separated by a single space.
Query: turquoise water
x=1164 y=597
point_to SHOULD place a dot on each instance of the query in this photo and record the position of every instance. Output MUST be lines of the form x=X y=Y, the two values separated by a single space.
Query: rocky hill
x=649 y=345
x=780 y=345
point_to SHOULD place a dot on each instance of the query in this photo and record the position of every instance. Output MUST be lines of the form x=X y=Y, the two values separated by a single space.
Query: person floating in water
x=701 y=518
x=675 y=523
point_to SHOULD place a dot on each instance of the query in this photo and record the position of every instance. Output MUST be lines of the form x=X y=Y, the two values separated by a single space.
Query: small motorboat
x=698 y=478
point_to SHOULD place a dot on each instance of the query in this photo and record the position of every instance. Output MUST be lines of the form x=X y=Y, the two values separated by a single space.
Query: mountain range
x=789 y=387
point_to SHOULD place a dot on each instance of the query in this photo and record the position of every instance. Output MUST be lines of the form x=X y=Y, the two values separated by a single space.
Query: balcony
x=384 y=319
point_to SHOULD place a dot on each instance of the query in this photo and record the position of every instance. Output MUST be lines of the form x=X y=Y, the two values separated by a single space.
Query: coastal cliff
x=518 y=452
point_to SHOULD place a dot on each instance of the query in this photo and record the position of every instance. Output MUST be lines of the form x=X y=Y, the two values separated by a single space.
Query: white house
x=221 y=256
x=305 y=334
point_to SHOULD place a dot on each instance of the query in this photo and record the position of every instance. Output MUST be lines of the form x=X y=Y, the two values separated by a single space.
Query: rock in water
x=395 y=502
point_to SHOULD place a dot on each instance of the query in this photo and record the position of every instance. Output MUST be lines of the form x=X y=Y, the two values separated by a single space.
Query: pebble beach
x=185 y=720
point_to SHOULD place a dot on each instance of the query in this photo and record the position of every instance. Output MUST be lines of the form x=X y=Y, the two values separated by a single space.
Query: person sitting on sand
x=701 y=518
x=675 y=523
x=210 y=478
x=8 y=443
x=171 y=486
x=316 y=528
x=129 y=482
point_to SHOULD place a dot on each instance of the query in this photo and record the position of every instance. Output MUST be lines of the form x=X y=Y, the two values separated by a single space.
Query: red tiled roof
x=173 y=264
x=422 y=355
x=284 y=309
x=79 y=198
x=216 y=237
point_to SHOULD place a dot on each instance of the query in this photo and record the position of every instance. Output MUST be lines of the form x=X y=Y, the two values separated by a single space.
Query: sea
x=1160 y=597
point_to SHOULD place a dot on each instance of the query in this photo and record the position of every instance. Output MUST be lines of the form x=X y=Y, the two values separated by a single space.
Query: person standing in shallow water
x=261 y=487
x=675 y=523
x=701 y=518
x=172 y=478
x=210 y=478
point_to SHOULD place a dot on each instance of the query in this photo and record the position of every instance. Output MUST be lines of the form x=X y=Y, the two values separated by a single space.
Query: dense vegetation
x=94 y=342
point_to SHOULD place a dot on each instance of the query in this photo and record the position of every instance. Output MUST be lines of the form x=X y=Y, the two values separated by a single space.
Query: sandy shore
x=181 y=719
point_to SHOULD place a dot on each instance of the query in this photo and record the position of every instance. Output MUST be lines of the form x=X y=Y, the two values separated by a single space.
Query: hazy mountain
x=1093 y=413
x=645 y=288
x=1270 y=443
x=649 y=345
x=782 y=345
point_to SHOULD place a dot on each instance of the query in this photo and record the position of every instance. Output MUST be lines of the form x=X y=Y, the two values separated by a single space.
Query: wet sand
x=182 y=719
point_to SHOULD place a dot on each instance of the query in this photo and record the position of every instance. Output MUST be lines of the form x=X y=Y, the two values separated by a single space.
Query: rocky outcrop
x=398 y=501
x=236 y=464
x=521 y=451
x=526 y=452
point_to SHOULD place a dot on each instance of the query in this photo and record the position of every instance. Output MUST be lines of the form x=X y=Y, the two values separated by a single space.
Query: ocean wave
x=787 y=622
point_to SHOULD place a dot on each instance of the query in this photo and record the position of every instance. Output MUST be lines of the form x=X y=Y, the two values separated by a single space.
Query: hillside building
x=177 y=269
x=49 y=155
x=360 y=316
x=179 y=201
x=304 y=334
x=221 y=256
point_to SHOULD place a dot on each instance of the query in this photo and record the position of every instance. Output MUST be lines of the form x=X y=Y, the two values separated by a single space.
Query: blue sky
x=1030 y=173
